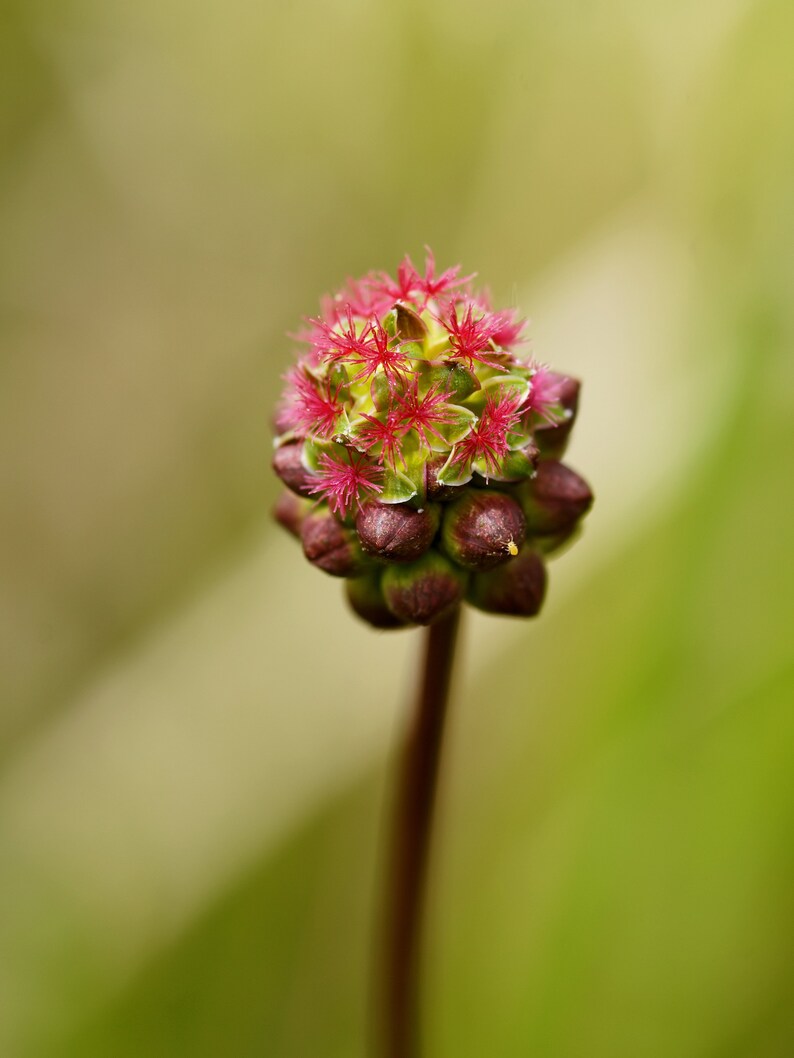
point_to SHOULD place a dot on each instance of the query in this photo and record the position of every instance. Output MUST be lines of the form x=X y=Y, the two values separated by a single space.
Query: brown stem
x=411 y=840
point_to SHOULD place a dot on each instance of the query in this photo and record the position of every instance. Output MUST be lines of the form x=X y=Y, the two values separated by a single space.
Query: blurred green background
x=195 y=741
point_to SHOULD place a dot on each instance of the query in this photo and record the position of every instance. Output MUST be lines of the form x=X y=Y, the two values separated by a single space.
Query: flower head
x=408 y=399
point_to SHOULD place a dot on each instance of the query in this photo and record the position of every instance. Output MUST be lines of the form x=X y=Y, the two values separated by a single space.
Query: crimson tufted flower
x=413 y=421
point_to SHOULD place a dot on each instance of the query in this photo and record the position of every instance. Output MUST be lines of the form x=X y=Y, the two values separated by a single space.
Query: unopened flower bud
x=483 y=529
x=288 y=464
x=290 y=511
x=555 y=499
x=330 y=546
x=552 y=438
x=516 y=589
x=433 y=487
x=425 y=590
x=395 y=531
x=366 y=598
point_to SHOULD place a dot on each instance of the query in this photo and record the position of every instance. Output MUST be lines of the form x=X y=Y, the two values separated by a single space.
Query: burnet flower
x=420 y=446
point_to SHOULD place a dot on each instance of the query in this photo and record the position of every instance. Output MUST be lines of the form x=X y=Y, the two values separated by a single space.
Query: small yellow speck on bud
x=511 y=547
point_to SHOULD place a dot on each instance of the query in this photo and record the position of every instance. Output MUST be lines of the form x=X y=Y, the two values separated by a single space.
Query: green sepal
x=482 y=469
x=485 y=372
x=337 y=376
x=313 y=449
x=521 y=371
x=414 y=469
x=515 y=466
x=341 y=427
x=397 y=487
x=555 y=414
x=360 y=390
x=497 y=387
x=455 y=380
x=460 y=423
x=519 y=437
x=437 y=341
x=454 y=473
x=413 y=350
x=503 y=385
x=382 y=391
x=389 y=323
x=355 y=430
x=462 y=383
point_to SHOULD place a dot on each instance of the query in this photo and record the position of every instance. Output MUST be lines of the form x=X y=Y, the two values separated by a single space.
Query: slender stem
x=411 y=840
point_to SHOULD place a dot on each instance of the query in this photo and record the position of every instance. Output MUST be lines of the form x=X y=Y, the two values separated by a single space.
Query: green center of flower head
x=411 y=394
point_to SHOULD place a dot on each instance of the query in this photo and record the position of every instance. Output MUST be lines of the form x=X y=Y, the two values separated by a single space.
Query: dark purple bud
x=555 y=499
x=552 y=438
x=395 y=531
x=436 y=491
x=483 y=529
x=517 y=588
x=408 y=325
x=288 y=464
x=330 y=546
x=290 y=511
x=425 y=590
x=366 y=598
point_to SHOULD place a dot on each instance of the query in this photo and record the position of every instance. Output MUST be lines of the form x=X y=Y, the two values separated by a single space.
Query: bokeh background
x=196 y=741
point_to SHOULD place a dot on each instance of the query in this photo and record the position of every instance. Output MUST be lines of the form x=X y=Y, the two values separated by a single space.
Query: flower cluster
x=421 y=450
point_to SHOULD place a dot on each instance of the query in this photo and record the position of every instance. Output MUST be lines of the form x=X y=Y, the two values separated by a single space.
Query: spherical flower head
x=415 y=422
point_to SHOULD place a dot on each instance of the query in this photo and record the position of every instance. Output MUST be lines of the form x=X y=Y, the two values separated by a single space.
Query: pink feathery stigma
x=424 y=414
x=364 y=298
x=472 y=337
x=433 y=286
x=487 y=439
x=412 y=286
x=386 y=433
x=504 y=411
x=408 y=282
x=343 y=482
x=382 y=352
x=544 y=393
x=331 y=310
x=509 y=330
x=340 y=340
x=313 y=406
x=369 y=349
x=358 y=297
